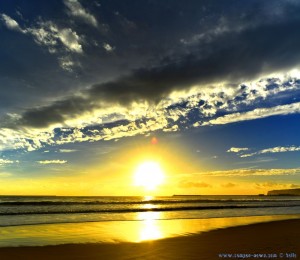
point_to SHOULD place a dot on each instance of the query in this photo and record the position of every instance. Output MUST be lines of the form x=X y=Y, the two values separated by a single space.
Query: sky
x=93 y=89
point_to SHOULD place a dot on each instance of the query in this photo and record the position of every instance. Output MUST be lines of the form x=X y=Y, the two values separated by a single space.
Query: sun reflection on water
x=148 y=206
x=148 y=197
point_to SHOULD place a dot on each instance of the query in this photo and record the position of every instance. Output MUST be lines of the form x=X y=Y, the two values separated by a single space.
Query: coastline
x=278 y=238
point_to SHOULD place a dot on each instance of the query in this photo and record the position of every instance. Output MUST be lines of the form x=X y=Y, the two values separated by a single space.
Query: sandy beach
x=272 y=240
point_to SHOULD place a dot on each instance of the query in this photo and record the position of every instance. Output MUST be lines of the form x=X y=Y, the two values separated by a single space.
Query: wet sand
x=277 y=239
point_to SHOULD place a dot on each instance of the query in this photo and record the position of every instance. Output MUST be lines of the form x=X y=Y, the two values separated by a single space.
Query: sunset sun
x=148 y=175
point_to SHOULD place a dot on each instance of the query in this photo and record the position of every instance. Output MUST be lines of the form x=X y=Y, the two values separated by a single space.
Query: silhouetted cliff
x=290 y=192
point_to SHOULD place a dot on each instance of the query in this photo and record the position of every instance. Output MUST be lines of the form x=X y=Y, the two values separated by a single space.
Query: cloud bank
x=217 y=76
x=229 y=57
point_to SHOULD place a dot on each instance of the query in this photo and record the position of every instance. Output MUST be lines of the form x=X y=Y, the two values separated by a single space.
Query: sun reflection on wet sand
x=147 y=226
x=150 y=229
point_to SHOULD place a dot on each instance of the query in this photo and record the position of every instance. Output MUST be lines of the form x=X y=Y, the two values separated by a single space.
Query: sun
x=148 y=175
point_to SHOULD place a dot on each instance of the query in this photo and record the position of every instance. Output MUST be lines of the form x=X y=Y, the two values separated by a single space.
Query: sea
x=48 y=220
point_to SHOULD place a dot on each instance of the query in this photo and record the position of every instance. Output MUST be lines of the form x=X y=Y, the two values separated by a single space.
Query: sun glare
x=148 y=175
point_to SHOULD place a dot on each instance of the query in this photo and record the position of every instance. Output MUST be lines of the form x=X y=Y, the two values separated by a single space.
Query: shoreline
x=275 y=238
x=150 y=227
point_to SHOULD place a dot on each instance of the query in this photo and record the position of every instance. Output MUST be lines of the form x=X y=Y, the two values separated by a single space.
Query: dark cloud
x=58 y=112
x=234 y=56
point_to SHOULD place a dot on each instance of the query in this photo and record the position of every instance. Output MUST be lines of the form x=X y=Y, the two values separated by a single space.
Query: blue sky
x=87 y=84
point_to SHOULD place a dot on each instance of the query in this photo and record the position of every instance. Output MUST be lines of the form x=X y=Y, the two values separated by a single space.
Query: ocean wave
x=132 y=210
x=153 y=202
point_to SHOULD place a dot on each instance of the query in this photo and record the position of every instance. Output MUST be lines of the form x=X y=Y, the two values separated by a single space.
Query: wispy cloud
x=57 y=39
x=256 y=114
x=67 y=150
x=11 y=23
x=52 y=162
x=237 y=149
x=76 y=9
x=50 y=35
x=281 y=149
x=24 y=139
x=277 y=149
x=67 y=63
x=5 y=161
x=251 y=172
x=108 y=47
x=258 y=160
x=275 y=185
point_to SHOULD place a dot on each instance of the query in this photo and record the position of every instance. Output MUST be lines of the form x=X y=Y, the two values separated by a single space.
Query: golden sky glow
x=149 y=166
x=98 y=96
x=144 y=168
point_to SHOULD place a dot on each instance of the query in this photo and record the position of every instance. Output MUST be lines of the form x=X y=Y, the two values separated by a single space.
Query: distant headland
x=288 y=192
